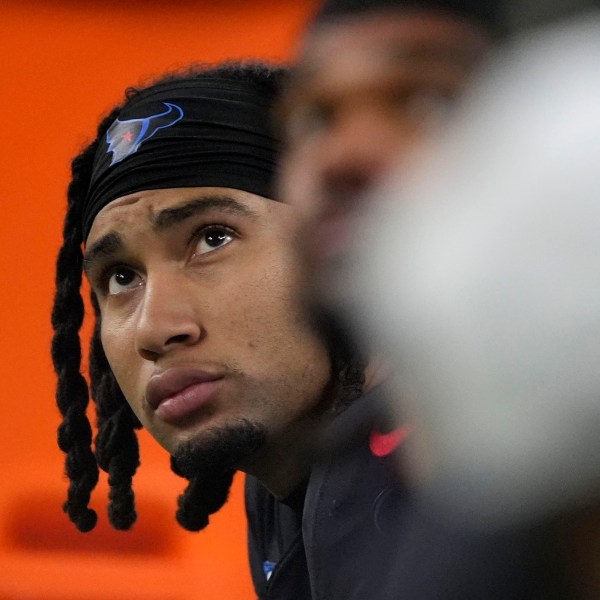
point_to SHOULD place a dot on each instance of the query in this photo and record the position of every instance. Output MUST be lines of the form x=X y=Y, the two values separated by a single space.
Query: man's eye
x=211 y=238
x=121 y=280
x=309 y=119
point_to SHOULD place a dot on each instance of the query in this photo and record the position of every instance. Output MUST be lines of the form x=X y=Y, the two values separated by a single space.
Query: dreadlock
x=194 y=506
x=117 y=449
x=116 y=444
x=72 y=394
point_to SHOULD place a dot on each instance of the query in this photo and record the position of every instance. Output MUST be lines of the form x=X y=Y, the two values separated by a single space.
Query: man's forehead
x=388 y=35
x=145 y=203
x=360 y=53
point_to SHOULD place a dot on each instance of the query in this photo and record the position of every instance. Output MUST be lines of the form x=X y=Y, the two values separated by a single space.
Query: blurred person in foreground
x=481 y=279
x=374 y=80
x=489 y=309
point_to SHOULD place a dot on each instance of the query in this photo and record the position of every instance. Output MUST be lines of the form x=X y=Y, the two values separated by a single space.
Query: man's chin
x=219 y=450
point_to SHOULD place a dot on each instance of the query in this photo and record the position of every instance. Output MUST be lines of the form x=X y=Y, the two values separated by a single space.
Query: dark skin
x=198 y=291
x=368 y=91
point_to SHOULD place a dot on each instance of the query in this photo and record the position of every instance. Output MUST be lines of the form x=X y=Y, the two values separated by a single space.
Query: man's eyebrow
x=430 y=50
x=106 y=246
x=112 y=242
x=171 y=216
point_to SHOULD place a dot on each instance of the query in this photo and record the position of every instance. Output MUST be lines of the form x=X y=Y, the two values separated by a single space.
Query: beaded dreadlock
x=116 y=445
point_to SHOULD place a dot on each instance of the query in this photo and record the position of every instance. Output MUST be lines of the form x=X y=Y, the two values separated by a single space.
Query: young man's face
x=368 y=90
x=198 y=290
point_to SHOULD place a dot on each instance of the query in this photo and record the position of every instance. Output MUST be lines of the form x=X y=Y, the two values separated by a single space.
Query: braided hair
x=116 y=449
x=72 y=394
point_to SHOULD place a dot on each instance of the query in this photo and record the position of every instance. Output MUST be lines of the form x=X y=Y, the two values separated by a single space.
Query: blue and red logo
x=125 y=137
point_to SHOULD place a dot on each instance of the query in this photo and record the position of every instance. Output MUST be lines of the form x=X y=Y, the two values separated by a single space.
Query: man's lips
x=177 y=393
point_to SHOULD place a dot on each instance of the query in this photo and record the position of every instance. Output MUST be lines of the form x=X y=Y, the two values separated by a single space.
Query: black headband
x=195 y=133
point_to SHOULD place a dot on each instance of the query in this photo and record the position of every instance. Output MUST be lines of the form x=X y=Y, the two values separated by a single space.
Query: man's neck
x=285 y=463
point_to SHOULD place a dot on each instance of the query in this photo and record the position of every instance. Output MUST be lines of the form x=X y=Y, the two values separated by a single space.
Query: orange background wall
x=65 y=63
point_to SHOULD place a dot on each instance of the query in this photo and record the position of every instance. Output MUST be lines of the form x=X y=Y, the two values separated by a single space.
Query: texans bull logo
x=125 y=137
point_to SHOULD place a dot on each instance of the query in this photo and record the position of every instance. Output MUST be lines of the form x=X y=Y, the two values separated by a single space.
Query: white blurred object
x=480 y=275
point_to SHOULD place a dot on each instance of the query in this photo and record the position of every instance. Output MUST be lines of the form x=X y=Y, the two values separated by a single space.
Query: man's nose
x=168 y=317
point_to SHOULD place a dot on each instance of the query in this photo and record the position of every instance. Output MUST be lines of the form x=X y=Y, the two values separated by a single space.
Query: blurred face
x=368 y=90
x=198 y=292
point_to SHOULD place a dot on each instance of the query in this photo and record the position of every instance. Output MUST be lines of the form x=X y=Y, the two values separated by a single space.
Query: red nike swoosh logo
x=382 y=444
